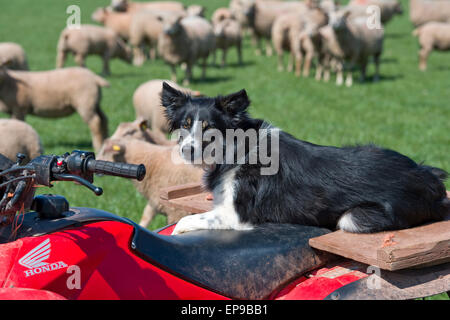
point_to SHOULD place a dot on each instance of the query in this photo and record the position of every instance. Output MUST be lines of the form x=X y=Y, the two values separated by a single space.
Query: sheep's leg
x=298 y=63
x=376 y=59
x=280 y=67
x=258 y=50
x=307 y=65
x=349 y=79
x=98 y=124
x=188 y=74
x=61 y=58
x=80 y=60
x=106 y=71
x=362 y=76
x=152 y=50
x=18 y=114
x=339 y=73
x=138 y=56
x=147 y=216
x=269 y=49
x=239 y=52
x=173 y=73
x=224 y=58
x=290 y=66
x=423 y=56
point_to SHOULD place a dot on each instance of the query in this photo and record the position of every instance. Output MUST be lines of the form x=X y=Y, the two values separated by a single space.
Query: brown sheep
x=91 y=39
x=54 y=94
x=18 y=136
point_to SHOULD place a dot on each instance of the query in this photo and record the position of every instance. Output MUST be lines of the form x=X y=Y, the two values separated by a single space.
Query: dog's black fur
x=317 y=185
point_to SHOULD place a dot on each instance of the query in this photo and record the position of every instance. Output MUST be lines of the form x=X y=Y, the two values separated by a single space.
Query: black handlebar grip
x=117 y=169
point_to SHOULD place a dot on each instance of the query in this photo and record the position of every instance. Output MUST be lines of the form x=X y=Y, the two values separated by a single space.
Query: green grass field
x=407 y=110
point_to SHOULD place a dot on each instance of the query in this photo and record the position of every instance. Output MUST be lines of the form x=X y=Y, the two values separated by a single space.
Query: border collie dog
x=358 y=189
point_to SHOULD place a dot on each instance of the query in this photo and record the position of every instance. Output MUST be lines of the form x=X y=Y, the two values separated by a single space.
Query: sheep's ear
x=171 y=97
x=5 y=63
x=143 y=124
x=233 y=103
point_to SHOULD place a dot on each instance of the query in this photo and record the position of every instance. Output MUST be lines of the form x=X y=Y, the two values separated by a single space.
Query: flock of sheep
x=321 y=32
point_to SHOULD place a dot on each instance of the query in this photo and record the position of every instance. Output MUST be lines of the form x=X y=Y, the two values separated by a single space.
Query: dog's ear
x=172 y=98
x=233 y=103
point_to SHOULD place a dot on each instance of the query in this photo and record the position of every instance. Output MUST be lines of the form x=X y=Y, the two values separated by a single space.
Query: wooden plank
x=181 y=191
x=392 y=250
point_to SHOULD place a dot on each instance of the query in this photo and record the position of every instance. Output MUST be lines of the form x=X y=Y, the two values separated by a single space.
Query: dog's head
x=203 y=120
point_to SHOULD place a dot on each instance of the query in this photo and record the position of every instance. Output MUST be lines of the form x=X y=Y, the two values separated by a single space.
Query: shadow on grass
x=369 y=79
x=233 y=65
x=211 y=79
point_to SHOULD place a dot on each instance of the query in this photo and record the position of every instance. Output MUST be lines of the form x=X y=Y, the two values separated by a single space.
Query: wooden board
x=189 y=197
x=392 y=250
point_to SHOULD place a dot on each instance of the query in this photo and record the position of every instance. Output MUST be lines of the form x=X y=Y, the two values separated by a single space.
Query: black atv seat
x=238 y=264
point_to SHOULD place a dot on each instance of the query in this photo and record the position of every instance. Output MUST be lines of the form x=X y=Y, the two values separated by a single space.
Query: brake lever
x=71 y=177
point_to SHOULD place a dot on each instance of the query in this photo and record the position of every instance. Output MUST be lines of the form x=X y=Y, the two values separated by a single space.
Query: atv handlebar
x=124 y=170
x=78 y=166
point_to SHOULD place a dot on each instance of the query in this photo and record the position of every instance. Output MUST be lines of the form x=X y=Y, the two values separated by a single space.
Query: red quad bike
x=54 y=251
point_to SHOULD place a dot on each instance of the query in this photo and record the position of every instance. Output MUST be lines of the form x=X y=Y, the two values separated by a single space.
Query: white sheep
x=298 y=33
x=14 y=54
x=423 y=11
x=357 y=42
x=164 y=169
x=228 y=34
x=147 y=105
x=186 y=40
x=118 y=21
x=262 y=14
x=145 y=29
x=432 y=36
x=91 y=40
x=18 y=136
x=133 y=6
x=53 y=94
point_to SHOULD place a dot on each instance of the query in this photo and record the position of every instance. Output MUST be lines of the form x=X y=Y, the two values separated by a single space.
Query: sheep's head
x=119 y=5
x=99 y=15
x=112 y=150
x=338 y=20
x=172 y=24
x=137 y=129
x=4 y=64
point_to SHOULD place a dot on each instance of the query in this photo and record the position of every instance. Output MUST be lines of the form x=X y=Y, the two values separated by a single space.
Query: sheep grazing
x=330 y=55
x=118 y=21
x=387 y=9
x=262 y=14
x=423 y=11
x=162 y=172
x=131 y=6
x=145 y=29
x=186 y=40
x=298 y=34
x=53 y=94
x=432 y=36
x=14 y=55
x=91 y=39
x=18 y=136
x=147 y=105
x=228 y=34
x=357 y=42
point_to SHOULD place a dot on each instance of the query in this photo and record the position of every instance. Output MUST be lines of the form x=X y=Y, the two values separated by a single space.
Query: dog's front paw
x=186 y=224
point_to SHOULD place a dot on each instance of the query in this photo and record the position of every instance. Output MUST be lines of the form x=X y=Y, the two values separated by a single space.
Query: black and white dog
x=358 y=189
